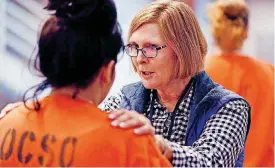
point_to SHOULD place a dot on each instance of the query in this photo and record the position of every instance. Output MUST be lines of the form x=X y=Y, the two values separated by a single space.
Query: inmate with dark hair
x=77 y=54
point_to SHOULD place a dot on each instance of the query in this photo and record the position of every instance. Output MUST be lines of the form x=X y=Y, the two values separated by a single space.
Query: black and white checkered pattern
x=112 y=103
x=161 y=119
x=220 y=143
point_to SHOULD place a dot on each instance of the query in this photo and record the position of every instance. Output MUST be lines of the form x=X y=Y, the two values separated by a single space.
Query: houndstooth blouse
x=220 y=143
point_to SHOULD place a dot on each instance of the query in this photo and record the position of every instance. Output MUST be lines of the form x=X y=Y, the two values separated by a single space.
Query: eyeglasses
x=149 y=51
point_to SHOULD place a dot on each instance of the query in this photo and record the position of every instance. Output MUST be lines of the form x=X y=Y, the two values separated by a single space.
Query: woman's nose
x=141 y=58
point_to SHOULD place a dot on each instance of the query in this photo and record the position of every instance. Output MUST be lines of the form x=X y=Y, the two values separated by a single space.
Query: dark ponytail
x=80 y=37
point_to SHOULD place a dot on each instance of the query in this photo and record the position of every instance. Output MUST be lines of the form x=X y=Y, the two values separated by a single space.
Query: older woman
x=196 y=122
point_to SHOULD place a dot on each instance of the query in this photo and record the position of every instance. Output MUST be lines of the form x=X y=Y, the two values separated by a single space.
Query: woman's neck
x=90 y=95
x=170 y=94
x=218 y=51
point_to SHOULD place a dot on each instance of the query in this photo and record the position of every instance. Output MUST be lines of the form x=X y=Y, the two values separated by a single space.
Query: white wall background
x=260 y=42
x=124 y=73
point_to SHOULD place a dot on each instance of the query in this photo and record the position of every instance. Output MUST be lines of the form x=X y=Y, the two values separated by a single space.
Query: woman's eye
x=153 y=46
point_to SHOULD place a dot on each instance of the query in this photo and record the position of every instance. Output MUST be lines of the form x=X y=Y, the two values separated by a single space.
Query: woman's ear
x=107 y=74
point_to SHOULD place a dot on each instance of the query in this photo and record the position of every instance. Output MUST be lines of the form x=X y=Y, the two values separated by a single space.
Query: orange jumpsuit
x=67 y=132
x=253 y=80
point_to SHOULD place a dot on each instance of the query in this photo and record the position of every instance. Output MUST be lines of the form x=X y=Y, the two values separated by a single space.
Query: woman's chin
x=148 y=85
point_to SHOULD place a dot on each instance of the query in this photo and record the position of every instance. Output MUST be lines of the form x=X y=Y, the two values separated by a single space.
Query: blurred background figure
x=249 y=77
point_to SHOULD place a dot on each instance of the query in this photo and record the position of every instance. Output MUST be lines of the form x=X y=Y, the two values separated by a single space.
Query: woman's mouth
x=147 y=74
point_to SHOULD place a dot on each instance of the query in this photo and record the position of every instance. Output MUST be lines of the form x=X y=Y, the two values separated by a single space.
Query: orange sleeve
x=260 y=95
x=142 y=151
x=259 y=92
x=250 y=91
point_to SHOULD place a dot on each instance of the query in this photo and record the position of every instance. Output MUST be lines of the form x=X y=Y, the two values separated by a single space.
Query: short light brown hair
x=179 y=26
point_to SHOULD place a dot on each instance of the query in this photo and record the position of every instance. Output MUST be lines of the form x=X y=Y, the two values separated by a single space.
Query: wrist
x=168 y=152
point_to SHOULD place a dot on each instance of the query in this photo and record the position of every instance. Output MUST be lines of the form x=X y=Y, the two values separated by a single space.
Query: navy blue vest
x=208 y=98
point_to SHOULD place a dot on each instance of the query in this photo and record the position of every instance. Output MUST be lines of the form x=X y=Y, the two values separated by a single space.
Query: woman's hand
x=8 y=108
x=164 y=147
x=132 y=119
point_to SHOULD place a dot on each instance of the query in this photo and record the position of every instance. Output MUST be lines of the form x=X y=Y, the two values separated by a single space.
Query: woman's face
x=154 y=72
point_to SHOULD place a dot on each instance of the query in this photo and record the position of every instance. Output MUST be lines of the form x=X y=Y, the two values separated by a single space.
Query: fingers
x=164 y=147
x=123 y=120
x=115 y=114
x=10 y=107
x=146 y=129
x=120 y=117
x=159 y=142
x=132 y=119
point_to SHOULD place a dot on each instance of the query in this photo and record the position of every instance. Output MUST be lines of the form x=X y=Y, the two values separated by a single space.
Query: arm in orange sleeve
x=259 y=92
x=249 y=91
x=142 y=151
